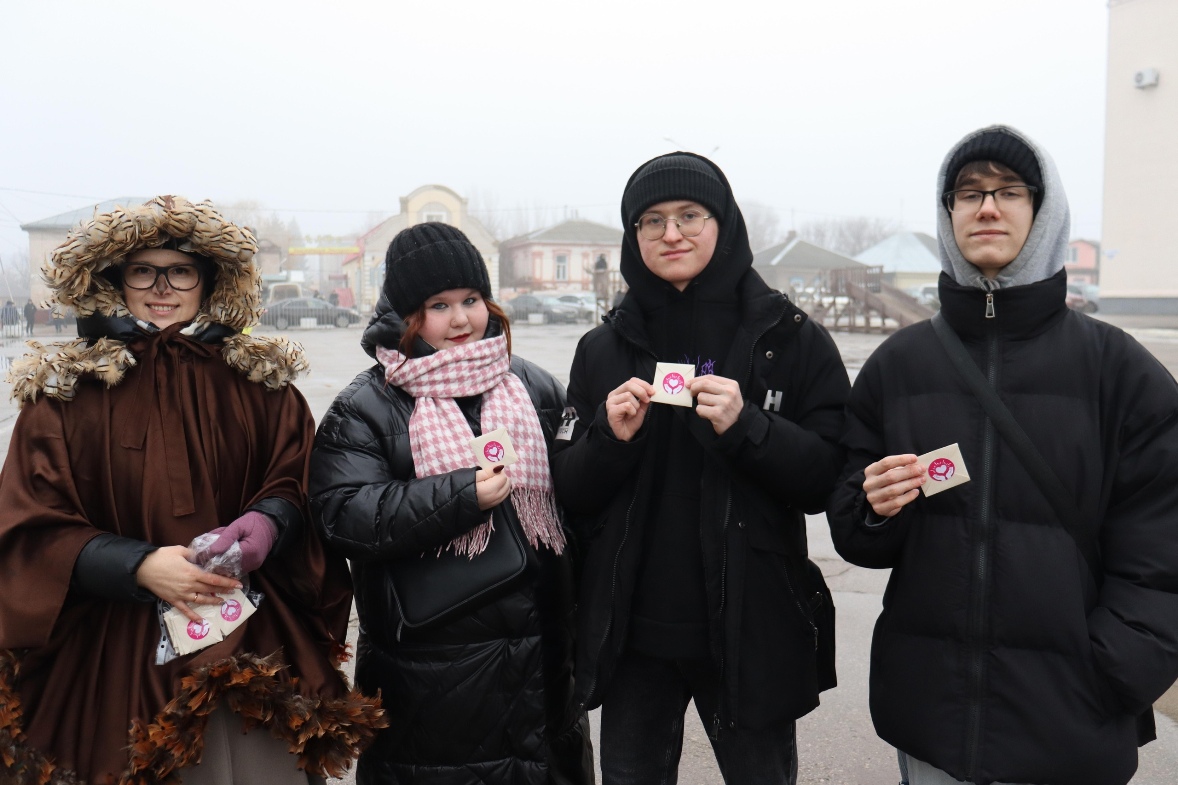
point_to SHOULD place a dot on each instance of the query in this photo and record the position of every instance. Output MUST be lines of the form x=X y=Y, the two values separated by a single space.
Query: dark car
x=287 y=313
x=553 y=310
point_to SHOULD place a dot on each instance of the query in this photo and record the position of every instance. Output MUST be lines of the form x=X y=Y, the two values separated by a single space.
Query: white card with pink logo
x=217 y=621
x=670 y=383
x=493 y=449
x=945 y=469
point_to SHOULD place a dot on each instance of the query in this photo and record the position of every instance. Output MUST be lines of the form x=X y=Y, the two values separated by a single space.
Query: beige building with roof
x=1139 y=268
x=564 y=256
x=365 y=269
x=48 y=233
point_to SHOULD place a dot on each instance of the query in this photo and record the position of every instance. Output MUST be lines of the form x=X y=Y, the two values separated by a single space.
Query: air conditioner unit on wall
x=1146 y=77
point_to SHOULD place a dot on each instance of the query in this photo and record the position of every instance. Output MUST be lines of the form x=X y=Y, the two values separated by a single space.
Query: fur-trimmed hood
x=73 y=273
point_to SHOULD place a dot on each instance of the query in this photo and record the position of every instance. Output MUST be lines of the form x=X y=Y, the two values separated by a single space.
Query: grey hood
x=1043 y=254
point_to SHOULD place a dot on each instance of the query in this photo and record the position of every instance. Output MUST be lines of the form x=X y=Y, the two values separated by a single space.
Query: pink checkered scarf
x=439 y=436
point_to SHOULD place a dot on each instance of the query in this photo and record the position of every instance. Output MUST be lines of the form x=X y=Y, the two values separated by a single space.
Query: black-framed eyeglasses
x=653 y=226
x=181 y=277
x=966 y=199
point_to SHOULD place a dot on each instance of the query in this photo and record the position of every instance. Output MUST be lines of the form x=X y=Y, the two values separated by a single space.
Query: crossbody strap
x=1014 y=435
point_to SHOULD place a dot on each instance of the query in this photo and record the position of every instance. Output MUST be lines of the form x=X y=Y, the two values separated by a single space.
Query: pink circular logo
x=494 y=451
x=673 y=383
x=941 y=469
x=230 y=610
x=198 y=629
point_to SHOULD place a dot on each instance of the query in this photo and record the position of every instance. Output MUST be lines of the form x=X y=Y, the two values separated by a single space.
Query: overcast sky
x=330 y=112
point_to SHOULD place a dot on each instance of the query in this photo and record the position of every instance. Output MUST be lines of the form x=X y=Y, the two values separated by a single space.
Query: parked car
x=1083 y=298
x=287 y=313
x=553 y=309
x=585 y=302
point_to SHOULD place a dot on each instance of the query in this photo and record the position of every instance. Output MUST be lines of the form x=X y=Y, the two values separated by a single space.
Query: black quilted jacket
x=771 y=615
x=487 y=697
x=998 y=656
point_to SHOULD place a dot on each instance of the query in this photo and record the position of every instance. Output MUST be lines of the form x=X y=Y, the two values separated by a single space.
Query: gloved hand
x=254 y=532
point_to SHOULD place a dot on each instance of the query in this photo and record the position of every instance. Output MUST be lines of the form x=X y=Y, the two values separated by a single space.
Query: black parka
x=486 y=697
x=771 y=619
x=998 y=655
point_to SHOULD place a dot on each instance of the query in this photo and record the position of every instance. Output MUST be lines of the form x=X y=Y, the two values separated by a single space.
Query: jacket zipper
x=977 y=647
x=724 y=543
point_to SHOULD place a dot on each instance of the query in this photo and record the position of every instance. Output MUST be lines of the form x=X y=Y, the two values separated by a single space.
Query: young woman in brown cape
x=161 y=422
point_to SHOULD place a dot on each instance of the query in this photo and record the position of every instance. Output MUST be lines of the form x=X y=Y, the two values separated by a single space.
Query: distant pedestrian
x=30 y=317
x=10 y=320
x=58 y=318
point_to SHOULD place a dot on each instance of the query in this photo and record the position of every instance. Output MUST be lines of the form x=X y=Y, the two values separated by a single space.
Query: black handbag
x=432 y=588
x=1036 y=465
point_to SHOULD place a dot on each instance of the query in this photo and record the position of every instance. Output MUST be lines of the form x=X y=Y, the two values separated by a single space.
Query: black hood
x=732 y=259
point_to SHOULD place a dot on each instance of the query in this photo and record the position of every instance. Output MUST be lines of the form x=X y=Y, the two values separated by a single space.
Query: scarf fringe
x=540 y=506
x=530 y=504
x=326 y=735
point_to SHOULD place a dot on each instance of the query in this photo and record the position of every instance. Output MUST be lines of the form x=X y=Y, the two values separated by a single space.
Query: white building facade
x=1139 y=268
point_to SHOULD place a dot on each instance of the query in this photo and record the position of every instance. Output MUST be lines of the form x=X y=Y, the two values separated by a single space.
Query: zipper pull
x=989 y=305
x=715 y=734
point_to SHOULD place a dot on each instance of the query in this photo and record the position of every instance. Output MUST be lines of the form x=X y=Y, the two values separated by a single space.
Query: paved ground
x=836 y=741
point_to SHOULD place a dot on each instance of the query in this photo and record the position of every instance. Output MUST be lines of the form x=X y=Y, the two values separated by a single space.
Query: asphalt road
x=837 y=743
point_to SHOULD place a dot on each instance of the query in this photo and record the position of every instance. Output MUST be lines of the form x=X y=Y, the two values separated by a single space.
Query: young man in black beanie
x=696 y=583
x=1031 y=615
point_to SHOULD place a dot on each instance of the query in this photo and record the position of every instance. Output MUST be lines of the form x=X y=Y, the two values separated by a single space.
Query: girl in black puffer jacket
x=482 y=694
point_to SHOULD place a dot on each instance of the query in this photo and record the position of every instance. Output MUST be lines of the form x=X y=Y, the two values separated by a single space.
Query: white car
x=586 y=303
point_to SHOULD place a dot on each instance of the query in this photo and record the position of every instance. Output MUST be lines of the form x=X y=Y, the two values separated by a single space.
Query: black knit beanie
x=672 y=177
x=1003 y=148
x=429 y=258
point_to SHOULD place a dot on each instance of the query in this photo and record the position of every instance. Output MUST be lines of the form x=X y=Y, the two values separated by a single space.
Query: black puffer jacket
x=770 y=615
x=997 y=656
x=487 y=697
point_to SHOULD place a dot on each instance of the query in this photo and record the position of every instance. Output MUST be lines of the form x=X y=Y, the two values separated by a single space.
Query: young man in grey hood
x=1006 y=652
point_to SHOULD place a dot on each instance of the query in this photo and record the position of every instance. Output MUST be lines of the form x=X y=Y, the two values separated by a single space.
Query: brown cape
x=182 y=445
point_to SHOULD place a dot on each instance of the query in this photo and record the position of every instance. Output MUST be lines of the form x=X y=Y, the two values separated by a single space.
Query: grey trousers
x=921 y=773
x=234 y=758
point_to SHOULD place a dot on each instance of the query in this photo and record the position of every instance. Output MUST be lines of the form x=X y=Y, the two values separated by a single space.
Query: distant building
x=1083 y=262
x=795 y=264
x=1139 y=269
x=48 y=233
x=909 y=260
x=563 y=256
x=365 y=268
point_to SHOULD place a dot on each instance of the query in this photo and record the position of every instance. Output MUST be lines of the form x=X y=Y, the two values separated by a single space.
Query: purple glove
x=253 y=532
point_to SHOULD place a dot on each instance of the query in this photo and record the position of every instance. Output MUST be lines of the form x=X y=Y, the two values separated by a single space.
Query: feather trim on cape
x=327 y=735
x=54 y=369
x=72 y=273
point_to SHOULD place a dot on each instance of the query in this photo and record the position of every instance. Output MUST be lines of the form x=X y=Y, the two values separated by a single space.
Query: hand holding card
x=494 y=449
x=670 y=383
x=946 y=469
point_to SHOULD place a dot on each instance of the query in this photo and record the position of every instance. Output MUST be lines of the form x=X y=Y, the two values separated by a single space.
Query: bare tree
x=848 y=236
x=764 y=226
x=244 y=212
x=15 y=274
x=484 y=207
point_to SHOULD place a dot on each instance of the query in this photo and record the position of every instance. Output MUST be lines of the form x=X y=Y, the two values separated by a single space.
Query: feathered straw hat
x=73 y=275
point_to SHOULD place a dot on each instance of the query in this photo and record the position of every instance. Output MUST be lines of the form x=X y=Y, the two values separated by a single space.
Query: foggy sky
x=329 y=113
